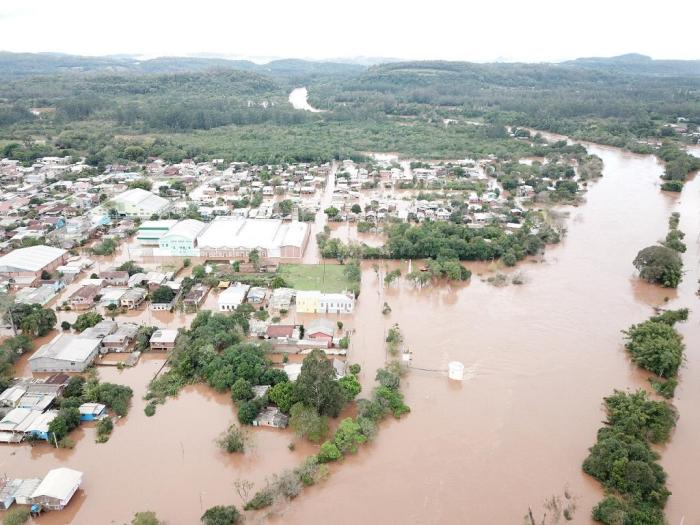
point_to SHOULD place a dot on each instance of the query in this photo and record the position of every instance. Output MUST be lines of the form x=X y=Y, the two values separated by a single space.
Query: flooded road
x=539 y=359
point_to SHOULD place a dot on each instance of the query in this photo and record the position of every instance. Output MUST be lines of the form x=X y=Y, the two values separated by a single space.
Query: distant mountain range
x=16 y=65
x=638 y=65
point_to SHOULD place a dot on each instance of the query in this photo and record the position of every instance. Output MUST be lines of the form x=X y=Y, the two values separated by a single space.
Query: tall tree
x=317 y=387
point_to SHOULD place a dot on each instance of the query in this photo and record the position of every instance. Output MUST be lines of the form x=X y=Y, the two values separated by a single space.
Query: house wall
x=318 y=336
x=50 y=364
x=308 y=305
x=50 y=267
x=162 y=347
x=336 y=306
x=178 y=245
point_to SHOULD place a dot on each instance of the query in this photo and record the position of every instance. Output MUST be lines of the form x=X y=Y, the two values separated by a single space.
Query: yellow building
x=308 y=302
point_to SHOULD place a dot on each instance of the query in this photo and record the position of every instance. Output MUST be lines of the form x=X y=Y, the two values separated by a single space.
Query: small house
x=233 y=297
x=257 y=295
x=321 y=330
x=120 y=340
x=91 y=411
x=115 y=278
x=163 y=340
x=282 y=332
x=57 y=488
x=84 y=297
x=271 y=417
x=133 y=298
x=195 y=296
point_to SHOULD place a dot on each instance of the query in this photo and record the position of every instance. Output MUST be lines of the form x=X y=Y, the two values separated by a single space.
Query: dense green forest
x=202 y=108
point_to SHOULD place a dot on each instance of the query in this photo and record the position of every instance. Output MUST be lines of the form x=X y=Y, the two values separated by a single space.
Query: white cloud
x=446 y=29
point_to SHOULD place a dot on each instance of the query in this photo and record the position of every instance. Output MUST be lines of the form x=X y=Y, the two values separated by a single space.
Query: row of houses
x=25 y=408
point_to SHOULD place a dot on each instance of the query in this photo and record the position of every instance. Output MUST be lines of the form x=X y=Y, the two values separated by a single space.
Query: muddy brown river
x=539 y=358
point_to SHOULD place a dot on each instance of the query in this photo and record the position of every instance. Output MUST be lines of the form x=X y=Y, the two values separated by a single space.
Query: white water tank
x=455 y=370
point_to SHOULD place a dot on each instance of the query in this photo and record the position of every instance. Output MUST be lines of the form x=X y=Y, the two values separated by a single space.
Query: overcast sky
x=445 y=29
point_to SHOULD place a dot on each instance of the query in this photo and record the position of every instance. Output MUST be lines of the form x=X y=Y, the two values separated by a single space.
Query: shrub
x=311 y=471
x=351 y=386
x=288 y=484
x=672 y=185
x=328 y=452
x=221 y=515
x=391 y=400
x=348 y=436
x=87 y=320
x=104 y=429
x=665 y=389
x=306 y=422
x=263 y=498
x=16 y=516
x=388 y=378
x=150 y=409
x=146 y=518
x=655 y=346
x=233 y=440
x=638 y=416
x=247 y=412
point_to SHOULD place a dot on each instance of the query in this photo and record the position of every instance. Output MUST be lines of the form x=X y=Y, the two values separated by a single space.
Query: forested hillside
x=112 y=109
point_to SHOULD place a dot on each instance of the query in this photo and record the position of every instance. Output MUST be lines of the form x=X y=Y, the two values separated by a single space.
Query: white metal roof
x=189 y=228
x=30 y=259
x=234 y=294
x=142 y=199
x=239 y=232
x=164 y=336
x=67 y=347
x=59 y=483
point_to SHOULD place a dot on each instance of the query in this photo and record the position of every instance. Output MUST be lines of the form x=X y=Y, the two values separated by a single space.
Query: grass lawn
x=323 y=277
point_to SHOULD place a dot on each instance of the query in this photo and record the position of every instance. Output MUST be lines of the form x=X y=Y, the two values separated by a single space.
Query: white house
x=57 y=488
x=232 y=297
x=337 y=303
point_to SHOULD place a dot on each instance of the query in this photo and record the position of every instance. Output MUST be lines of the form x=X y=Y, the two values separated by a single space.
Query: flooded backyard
x=539 y=357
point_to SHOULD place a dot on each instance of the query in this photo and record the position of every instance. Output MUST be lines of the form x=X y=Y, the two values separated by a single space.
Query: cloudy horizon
x=310 y=29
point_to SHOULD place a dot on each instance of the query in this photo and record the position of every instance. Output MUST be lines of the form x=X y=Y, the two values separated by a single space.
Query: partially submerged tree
x=659 y=265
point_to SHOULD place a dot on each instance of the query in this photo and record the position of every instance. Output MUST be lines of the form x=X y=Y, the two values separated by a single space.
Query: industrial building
x=24 y=266
x=138 y=202
x=65 y=353
x=232 y=238
x=151 y=232
x=181 y=239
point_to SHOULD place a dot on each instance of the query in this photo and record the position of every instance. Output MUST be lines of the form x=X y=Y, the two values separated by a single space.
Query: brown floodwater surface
x=539 y=358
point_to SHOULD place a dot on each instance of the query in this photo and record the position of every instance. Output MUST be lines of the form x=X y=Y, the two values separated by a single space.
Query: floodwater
x=298 y=98
x=168 y=463
x=539 y=358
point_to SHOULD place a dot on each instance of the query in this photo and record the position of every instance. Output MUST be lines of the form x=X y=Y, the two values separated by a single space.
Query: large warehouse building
x=25 y=265
x=65 y=353
x=138 y=202
x=235 y=237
